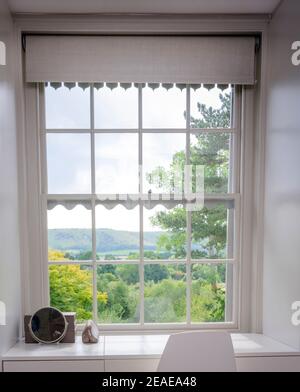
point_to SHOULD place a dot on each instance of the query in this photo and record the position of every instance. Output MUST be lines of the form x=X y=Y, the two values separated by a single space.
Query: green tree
x=128 y=273
x=71 y=290
x=87 y=255
x=106 y=268
x=209 y=225
x=165 y=301
x=120 y=283
x=156 y=272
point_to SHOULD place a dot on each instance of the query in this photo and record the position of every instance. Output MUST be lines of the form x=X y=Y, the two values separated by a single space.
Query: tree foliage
x=209 y=226
x=71 y=290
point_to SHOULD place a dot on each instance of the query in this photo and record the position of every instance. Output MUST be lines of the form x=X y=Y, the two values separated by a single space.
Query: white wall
x=282 y=203
x=9 y=236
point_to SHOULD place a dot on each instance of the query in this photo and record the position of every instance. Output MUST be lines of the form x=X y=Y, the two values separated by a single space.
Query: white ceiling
x=144 y=6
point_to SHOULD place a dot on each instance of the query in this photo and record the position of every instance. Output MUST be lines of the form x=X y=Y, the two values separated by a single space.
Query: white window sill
x=139 y=347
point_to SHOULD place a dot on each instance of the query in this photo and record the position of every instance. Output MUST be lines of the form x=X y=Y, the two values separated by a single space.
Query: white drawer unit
x=61 y=357
x=268 y=364
x=131 y=365
x=141 y=353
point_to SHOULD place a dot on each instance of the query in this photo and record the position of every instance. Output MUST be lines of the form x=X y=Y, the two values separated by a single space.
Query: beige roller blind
x=140 y=59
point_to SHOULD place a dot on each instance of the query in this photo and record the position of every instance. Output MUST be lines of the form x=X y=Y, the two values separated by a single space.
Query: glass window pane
x=208 y=293
x=69 y=163
x=69 y=234
x=213 y=152
x=67 y=108
x=71 y=290
x=117 y=233
x=164 y=108
x=116 y=108
x=163 y=162
x=165 y=293
x=118 y=293
x=212 y=237
x=211 y=108
x=165 y=233
x=117 y=166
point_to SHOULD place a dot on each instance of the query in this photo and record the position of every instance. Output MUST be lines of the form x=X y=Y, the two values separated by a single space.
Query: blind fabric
x=129 y=204
x=140 y=59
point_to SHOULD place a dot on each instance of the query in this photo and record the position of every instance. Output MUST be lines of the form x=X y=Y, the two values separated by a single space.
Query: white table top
x=138 y=347
x=247 y=345
x=37 y=351
x=134 y=346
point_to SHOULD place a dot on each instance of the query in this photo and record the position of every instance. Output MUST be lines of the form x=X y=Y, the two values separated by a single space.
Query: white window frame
x=231 y=303
x=34 y=281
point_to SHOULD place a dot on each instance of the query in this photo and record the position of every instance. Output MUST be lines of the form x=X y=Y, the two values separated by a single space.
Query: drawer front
x=268 y=364
x=54 y=366
x=131 y=365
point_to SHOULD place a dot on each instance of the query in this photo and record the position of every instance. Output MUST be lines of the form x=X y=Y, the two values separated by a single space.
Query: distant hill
x=80 y=240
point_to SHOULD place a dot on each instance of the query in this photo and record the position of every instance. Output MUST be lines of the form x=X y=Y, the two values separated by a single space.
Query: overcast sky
x=116 y=155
